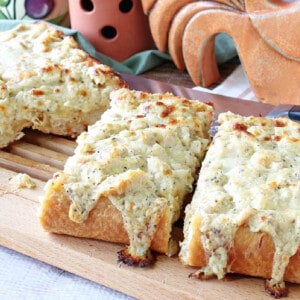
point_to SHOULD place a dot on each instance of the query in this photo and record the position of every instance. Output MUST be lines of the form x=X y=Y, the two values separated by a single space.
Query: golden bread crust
x=105 y=221
x=244 y=215
x=250 y=254
x=137 y=164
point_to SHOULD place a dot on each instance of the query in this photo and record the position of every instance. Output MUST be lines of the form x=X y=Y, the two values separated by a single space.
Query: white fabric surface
x=22 y=277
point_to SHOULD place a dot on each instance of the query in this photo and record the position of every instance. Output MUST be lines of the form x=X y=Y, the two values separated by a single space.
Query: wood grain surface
x=40 y=155
x=168 y=73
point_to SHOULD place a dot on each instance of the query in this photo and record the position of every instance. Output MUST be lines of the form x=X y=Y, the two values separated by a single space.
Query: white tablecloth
x=22 y=277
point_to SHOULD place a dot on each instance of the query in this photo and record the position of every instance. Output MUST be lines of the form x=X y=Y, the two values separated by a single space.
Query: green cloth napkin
x=137 y=63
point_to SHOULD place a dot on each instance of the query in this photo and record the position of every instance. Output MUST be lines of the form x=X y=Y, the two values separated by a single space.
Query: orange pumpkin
x=265 y=32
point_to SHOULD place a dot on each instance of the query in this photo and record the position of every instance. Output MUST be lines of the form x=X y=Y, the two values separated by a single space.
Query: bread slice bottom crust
x=103 y=223
x=250 y=254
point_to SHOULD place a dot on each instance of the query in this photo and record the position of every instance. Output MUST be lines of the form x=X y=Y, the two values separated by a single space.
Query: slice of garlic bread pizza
x=244 y=216
x=131 y=173
x=49 y=83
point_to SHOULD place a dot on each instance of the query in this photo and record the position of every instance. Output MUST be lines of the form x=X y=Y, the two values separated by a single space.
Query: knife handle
x=294 y=113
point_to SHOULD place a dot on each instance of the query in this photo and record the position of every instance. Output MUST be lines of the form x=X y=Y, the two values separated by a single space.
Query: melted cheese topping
x=143 y=155
x=47 y=82
x=250 y=176
x=22 y=180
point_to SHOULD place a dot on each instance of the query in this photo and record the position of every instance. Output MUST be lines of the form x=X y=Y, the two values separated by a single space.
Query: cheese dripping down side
x=250 y=177
x=143 y=155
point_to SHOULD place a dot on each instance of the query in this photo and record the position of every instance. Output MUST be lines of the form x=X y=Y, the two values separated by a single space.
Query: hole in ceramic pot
x=87 y=5
x=125 y=6
x=109 y=32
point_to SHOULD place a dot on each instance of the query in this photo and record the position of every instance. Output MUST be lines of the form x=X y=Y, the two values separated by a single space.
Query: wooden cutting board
x=39 y=156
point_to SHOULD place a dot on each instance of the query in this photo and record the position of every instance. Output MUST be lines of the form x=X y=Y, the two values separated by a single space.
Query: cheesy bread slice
x=131 y=173
x=244 y=216
x=49 y=83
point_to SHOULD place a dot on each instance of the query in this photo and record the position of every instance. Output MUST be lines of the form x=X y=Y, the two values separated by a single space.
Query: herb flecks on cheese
x=47 y=82
x=250 y=176
x=144 y=155
x=136 y=197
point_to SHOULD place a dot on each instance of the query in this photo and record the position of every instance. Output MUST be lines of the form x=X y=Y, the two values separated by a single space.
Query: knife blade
x=290 y=111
